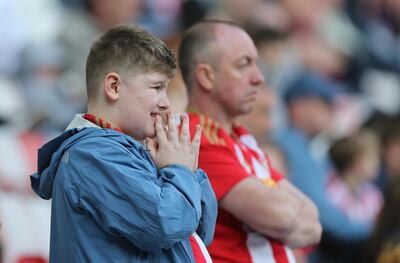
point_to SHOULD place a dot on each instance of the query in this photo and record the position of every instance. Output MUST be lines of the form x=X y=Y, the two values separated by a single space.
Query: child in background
x=356 y=161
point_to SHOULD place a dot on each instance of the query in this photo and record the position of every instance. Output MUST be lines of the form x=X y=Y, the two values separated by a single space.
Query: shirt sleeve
x=118 y=191
x=222 y=167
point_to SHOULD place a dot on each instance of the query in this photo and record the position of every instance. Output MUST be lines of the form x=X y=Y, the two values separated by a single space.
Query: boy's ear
x=112 y=83
x=205 y=76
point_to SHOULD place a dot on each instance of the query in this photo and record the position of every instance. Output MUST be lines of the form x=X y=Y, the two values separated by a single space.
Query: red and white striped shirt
x=227 y=160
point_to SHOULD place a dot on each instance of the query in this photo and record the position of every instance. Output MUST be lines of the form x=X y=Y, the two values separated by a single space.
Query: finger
x=196 y=139
x=185 y=132
x=196 y=146
x=160 y=131
x=164 y=118
x=172 y=132
x=196 y=162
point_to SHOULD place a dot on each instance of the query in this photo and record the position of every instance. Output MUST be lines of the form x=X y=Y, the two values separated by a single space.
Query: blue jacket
x=110 y=204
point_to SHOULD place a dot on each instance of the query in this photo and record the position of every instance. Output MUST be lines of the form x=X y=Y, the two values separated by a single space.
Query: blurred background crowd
x=328 y=116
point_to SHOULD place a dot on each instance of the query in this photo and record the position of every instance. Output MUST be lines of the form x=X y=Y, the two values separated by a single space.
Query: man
x=310 y=99
x=259 y=211
x=113 y=199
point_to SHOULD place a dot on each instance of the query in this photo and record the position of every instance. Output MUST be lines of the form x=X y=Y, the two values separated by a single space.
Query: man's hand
x=171 y=147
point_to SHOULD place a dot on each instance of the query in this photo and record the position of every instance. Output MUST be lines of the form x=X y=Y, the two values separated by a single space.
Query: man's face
x=237 y=77
x=142 y=98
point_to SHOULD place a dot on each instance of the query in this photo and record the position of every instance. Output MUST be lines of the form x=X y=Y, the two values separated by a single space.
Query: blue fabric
x=311 y=176
x=110 y=204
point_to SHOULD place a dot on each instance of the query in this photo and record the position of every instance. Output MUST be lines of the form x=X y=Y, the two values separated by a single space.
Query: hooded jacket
x=110 y=204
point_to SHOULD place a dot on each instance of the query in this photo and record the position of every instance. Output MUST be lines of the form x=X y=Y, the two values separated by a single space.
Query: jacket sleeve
x=126 y=198
x=209 y=209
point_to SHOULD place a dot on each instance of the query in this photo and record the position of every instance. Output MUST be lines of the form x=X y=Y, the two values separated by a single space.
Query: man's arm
x=307 y=228
x=267 y=210
x=283 y=212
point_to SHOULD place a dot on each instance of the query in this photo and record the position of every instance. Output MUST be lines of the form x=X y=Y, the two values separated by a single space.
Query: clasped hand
x=170 y=146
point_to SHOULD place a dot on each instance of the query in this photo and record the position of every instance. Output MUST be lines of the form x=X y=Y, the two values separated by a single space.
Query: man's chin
x=245 y=111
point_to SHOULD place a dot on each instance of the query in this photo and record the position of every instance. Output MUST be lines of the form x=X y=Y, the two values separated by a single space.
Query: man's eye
x=156 y=87
x=244 y=63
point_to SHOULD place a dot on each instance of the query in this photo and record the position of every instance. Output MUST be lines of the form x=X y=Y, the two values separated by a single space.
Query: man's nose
x=257 y=77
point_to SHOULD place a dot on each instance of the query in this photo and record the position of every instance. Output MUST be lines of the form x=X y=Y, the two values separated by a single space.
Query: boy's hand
x=171 y=147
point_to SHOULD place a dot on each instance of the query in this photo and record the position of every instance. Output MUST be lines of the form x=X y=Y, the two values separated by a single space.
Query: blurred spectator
x=279 y=63
x=194 y=11
x=391 y=151
x=386 y=98
x=43 y=84
x=24 y=229
x=11 y=103
x=13 y=40
x=384 y=242
x=314 y=51
x=310 y=100
x=278 y=59
x=391 y=251
x=81 y=28
x=336 y=28
x=259 y=121
x=23 y=22
x=356 y=162
x=162 y=17
x=380 y=24
x=388 y=129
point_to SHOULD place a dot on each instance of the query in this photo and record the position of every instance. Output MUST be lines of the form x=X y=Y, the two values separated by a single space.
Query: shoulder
x=107 y=144
x=106 y=150
x=212 y=132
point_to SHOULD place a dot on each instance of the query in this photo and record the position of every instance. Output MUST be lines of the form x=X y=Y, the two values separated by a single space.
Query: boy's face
x=142 y=98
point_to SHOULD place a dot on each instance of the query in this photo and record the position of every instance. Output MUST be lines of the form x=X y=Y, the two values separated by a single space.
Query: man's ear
x=205 y=76
x=112 y=86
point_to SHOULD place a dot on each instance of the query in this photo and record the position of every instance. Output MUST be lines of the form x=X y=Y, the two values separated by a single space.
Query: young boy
x=115 y=199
